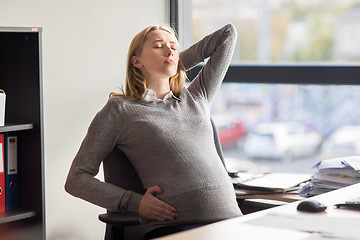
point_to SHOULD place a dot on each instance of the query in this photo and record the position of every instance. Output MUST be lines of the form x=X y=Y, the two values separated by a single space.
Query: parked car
x=344 y=141
x=231 y=131
x=281 y=140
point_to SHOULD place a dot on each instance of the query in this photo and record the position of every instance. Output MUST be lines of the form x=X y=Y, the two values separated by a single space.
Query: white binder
x=2 y=107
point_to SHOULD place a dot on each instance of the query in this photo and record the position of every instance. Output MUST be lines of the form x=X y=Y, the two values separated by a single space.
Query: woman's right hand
x=153 y=208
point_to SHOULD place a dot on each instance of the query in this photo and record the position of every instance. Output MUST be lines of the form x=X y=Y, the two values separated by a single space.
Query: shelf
x=16 y=127
x=15 y=215
x=21 y=77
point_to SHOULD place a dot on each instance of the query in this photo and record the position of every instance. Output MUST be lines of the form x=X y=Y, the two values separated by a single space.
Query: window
x=284 y=31
x=288 y=127
x=290 y=97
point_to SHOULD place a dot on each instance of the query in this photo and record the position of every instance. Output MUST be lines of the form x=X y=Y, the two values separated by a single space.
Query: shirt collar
x=150 y=96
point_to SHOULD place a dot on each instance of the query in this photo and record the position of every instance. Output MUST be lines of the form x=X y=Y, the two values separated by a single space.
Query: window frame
x=289 y=74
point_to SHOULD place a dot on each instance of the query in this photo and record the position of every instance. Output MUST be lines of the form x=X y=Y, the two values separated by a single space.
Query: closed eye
x=160 y=46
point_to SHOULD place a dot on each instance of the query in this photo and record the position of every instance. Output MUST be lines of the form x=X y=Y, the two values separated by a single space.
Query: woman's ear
x=136 y=62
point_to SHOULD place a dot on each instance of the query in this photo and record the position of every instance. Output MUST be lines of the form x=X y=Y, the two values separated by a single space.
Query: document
x=275 y=182
x=347 y=166
x=333 y=174
x=328 y=227
x=342 y=179
x=353 y=162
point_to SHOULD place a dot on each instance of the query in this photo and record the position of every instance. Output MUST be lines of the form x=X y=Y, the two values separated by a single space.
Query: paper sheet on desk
x=353 y=162
x=275 y=182
x=348 y=166
x=231 y=229
x=324 y=227
x=322 y=177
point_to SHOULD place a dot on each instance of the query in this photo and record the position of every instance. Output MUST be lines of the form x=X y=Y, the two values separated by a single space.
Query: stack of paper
x=273 y=182
x=333 y=174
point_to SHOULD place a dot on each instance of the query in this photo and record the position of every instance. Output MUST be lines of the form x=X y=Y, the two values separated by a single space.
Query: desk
x=229 y=229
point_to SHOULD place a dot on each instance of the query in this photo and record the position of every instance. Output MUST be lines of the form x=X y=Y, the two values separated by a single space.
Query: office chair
x=119 y=171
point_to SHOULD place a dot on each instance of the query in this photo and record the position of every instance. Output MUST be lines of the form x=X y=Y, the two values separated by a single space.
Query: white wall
x=85 y=44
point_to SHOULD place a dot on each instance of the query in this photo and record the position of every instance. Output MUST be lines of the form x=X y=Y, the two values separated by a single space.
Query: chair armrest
x=121 y=219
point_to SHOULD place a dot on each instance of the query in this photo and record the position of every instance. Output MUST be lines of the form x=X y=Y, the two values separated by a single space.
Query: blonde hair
x=135 y=81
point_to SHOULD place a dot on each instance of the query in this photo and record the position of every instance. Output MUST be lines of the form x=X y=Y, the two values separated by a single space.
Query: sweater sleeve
x=218 y=47
x=99 y=141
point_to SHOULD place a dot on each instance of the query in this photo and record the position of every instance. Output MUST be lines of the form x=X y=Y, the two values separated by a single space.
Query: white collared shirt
x=150 y=95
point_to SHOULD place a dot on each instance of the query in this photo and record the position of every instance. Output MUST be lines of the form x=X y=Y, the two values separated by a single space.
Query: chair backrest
x=217 y=142
x=119 y=171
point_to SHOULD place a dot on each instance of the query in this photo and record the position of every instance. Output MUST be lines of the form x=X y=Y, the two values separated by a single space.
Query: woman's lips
x=170 y=61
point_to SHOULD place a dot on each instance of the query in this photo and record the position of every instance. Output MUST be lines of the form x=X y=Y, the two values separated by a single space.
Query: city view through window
x=283 y=31
x=286 y=127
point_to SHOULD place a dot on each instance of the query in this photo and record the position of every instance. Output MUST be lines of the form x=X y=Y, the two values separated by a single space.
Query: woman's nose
x=169 y=52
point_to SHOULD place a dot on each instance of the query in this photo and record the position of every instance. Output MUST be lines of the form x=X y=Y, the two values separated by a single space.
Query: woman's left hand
x=153 y=208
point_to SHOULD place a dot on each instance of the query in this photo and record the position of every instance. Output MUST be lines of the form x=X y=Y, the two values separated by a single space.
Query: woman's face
x=159 y=57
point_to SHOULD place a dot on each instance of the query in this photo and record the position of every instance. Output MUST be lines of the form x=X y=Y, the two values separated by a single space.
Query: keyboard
x=353 y=203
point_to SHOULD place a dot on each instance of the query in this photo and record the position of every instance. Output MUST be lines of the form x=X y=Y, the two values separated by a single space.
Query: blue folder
x=11 y=171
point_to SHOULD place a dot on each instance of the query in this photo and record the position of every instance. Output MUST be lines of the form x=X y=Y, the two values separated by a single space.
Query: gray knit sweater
x=170 y=144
